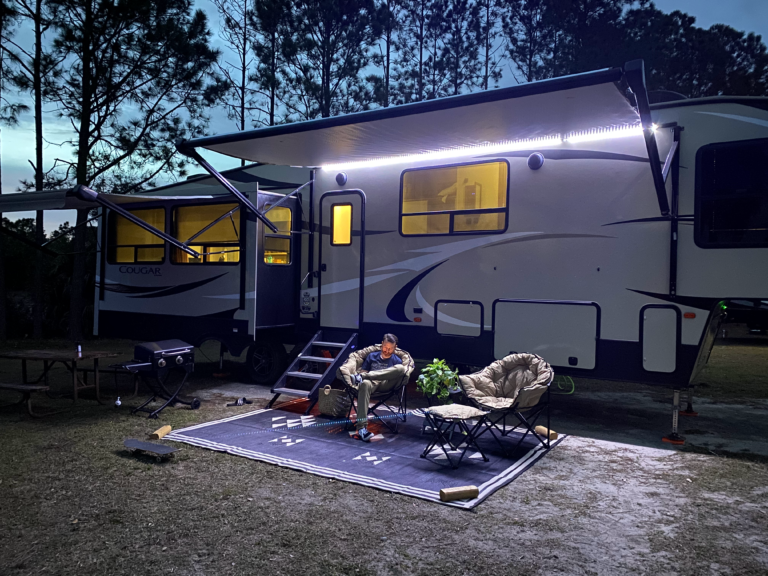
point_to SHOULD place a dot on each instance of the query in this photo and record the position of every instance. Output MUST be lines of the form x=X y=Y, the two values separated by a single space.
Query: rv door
x=342 y=259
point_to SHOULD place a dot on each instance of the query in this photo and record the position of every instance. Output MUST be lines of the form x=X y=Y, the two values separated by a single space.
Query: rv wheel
x=266 y=361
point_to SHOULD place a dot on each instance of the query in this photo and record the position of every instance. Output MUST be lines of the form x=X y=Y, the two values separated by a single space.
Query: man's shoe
x=364 y=434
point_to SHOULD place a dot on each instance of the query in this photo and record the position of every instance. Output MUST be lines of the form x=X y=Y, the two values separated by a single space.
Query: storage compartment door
x=660 y=337
x=563 y=333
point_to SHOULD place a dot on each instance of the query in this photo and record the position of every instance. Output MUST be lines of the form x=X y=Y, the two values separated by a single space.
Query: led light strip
x=500 y=147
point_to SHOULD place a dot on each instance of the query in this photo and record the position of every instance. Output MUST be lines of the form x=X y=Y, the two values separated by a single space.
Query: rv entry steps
x=314 y=368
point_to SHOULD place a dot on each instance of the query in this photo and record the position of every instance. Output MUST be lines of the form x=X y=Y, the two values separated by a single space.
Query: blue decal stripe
x=396 y=306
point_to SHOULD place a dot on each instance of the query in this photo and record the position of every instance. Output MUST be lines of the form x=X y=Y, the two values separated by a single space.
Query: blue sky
x=18 y=143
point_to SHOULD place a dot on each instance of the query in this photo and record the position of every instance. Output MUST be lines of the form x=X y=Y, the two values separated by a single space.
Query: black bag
x=333 y=403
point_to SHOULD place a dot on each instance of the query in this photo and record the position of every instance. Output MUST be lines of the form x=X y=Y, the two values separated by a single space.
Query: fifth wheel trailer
x=568 y=217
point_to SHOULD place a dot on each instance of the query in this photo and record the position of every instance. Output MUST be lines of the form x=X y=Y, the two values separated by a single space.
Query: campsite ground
x=610 y=499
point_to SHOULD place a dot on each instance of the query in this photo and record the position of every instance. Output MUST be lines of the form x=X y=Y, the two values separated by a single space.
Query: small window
x=220 y=244
x=341 y=224
x=732 y=195
x=130 y=243
x=468 y=198
x=277 y=247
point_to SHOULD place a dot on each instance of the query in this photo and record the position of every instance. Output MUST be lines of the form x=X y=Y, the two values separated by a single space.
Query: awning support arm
x=668 y=161
x=192 y=153
x=212 y=224
x=88 y=195
x=285 y=198
x=634 y=72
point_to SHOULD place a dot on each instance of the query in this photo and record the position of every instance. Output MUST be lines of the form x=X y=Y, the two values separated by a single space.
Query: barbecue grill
x=164 y=366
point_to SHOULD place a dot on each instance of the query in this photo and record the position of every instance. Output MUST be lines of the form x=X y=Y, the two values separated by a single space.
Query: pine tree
x=386 y=28
x=461 y=45
x=236 y=33
x=137 y=77
x=327 y=47
x=31 y=67
x=269 y=25
x=529 y=38
x=491 y=44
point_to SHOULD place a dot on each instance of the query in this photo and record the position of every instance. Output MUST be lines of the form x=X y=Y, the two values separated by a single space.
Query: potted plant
x=438 y=381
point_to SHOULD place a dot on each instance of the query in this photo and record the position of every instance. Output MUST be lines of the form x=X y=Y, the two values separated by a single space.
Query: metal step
x=316 y=359
x=305 y=375
x=303 y=393
x=329 y=344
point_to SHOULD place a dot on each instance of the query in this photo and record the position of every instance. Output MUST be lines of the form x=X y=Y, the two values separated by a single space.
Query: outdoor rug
x=318 y=445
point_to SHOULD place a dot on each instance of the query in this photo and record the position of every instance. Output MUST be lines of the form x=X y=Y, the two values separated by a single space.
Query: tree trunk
x=77 y=296
x=37 y=87
x=3 y=318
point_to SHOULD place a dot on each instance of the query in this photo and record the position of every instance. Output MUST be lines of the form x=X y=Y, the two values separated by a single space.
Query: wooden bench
x=26 y=390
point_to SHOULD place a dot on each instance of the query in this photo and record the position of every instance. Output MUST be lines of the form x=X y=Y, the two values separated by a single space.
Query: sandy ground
x=611 y=499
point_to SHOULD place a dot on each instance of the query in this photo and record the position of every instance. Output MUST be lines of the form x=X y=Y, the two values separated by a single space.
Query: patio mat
x=392 y=462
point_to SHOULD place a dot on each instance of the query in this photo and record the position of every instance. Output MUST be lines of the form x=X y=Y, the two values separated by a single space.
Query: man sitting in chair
x=380 y=372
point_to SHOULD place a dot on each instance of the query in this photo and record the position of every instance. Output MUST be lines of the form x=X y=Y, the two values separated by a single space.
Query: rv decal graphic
x=152 y=291
x=429 y=310
x=763 y=123
x=700 y=302
x=179 y=289
x=151 y=270
x=444 y=251
x=396 y=306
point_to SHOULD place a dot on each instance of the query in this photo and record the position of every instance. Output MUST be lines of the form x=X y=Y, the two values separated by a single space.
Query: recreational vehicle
x=569 y=217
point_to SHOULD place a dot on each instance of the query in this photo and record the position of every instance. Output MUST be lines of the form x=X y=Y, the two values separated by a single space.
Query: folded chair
x=516 y=386
x=398 y=392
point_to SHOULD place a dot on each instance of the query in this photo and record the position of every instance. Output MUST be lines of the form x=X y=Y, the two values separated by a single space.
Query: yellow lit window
x=455 y=199
x=341 y=224
x=280 y=217
x=219 y=244
x=130 y=243
x=277 y=247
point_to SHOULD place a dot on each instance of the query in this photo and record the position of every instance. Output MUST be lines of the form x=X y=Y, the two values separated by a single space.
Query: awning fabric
x=559 y=106
x=63 y=199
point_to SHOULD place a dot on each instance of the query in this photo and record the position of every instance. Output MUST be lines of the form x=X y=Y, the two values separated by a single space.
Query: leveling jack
x=673 y=437
x=689 y=411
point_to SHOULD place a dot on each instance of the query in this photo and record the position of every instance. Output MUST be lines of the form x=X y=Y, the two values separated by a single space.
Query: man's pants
x=378 y=381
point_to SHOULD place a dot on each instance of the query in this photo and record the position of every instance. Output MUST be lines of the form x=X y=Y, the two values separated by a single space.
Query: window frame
x=240 y=243
x=451 y=213
x=351 y=223
x=112 y=245
x=288 y=237
x=699 y=197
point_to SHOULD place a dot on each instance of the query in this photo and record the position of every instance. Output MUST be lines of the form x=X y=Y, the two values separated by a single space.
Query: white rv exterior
x=566 y=218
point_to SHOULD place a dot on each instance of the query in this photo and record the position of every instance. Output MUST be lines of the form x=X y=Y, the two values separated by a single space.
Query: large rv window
x=454 y=199
x=220 y=244
x=341 y=224
x=732 y=195
x=131 y=244
x=277 y=247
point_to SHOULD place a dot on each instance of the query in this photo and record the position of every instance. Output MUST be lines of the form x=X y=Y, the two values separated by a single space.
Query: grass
x=73 y=501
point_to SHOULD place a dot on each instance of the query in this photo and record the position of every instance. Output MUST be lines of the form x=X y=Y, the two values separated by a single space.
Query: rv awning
x=64 y=199
x=561 y=106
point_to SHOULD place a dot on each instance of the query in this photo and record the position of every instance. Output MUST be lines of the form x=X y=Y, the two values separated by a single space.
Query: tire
x=266 y=361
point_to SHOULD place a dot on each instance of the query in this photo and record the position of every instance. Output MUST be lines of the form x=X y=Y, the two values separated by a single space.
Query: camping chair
x=380 y=399
x=517 y=385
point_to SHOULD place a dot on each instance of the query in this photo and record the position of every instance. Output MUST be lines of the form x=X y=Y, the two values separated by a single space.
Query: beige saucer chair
x=395 y=413
x=516 y=386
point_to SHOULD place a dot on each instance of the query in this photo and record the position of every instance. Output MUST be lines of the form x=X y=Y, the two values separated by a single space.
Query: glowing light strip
x=494 y=148
x=605 y=134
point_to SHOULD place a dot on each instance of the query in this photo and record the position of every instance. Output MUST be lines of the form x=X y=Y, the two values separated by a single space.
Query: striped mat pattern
x=392 y=462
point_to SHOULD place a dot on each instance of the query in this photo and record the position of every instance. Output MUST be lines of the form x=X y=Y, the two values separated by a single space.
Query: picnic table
x=68 y=358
